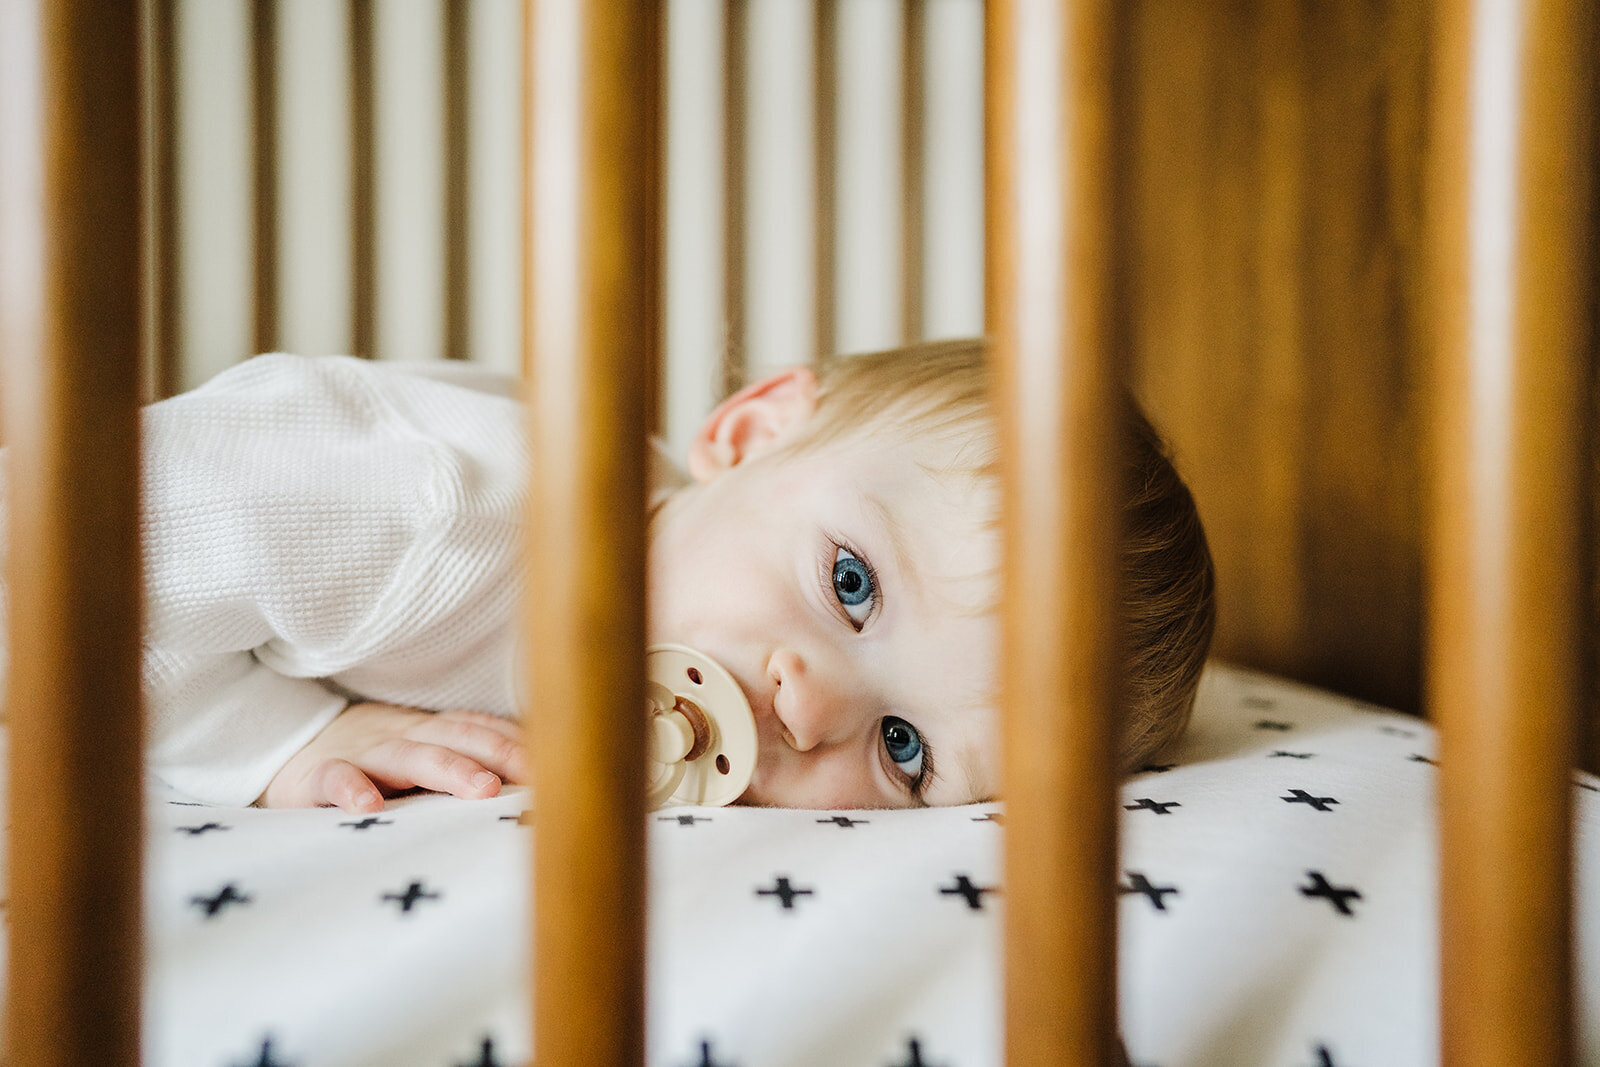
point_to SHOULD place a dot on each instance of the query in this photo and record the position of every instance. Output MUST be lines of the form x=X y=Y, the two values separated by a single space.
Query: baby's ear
x=749 y=421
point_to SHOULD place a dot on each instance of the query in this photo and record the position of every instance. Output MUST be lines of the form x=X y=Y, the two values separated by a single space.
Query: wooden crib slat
x=454 y=32
x=70 y=329
x=162 y=248
x=363 y=195
x=825 y=139
x=1511 y=179
x=592 y=281
x=912 y=21
x=1049 y=303
x=735 y=146
x=264 y=162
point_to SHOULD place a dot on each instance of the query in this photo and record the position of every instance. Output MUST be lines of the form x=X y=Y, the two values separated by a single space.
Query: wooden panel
x=1052 y=319
x=1512 y=247
x=592 y=330
x=70 y=303
x=1276 y=193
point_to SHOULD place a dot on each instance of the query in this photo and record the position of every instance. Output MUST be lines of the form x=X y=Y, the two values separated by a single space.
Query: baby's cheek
x=825 y=785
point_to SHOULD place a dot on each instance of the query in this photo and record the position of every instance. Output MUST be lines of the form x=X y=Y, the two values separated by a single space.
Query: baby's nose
x=806 y=701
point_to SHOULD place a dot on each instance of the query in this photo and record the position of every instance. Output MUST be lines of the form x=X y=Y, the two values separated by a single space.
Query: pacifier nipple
x=702 y=734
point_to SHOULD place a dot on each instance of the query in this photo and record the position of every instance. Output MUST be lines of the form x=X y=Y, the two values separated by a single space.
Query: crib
x=1421 y=181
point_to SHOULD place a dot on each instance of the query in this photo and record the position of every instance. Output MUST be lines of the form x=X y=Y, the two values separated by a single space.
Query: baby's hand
x=375 y=750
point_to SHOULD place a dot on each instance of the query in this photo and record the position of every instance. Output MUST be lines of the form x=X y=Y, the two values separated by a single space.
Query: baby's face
x=845 y=590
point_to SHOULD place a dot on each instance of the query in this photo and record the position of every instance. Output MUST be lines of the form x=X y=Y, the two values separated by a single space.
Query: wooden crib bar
x=1051 y=307
x=592 y=283
x=70 y=188
x=1513 y=107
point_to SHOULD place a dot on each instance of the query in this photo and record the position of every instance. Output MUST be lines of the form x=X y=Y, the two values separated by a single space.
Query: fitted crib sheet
x=1278 y=885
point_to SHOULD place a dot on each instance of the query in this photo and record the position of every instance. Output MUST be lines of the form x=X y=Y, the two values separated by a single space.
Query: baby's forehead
x=941 y=512
x=941 y=469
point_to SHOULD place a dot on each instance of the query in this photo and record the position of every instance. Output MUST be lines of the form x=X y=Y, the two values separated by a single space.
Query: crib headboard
x=1276 y=196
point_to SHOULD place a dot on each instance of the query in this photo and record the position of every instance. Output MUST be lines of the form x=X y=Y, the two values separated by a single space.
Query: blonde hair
x=1168 y=579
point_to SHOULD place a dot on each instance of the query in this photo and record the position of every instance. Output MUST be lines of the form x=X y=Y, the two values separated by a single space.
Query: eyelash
x=920 y=786
x=825 y=573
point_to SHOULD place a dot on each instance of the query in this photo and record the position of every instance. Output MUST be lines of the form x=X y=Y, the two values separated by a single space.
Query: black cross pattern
x=995 y=817
x=914 y=1055
x=225 y=896
x=1156 y=768
x=1156 y=894
x=1581 y=784
x=266 y=1058
x=368 y=823
x=1160 y=807
x=1395 y=731
x=414 y=892
x=785 y=892
x=681 y=820
x=1269 y=724
x=1253 y=701
x=1281 y=754
x=1300 y=796
x=1324 y=1057
x=485 y=1055
x=965 y=888
x=1338 y=896
x=196 y=831
x=524 y=819
x=1417 y=757
x=844 y=822
x=187 y=803
x=705 y=1057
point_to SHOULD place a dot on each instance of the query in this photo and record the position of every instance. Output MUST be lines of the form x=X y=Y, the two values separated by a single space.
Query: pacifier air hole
x=694 y=675
x=723 y=766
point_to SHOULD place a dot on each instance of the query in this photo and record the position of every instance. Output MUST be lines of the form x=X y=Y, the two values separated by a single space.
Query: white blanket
x=1278 y=910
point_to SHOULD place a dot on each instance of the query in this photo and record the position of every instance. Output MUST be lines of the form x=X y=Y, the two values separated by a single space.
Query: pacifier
x=702 y=735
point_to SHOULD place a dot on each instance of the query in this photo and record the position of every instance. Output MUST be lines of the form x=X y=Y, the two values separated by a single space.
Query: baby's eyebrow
x=895 y=533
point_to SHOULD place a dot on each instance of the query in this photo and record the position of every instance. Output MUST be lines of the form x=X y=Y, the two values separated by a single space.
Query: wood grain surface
x=71 y=298
x=1275 y=192
x=1054 y=322
x=1512 y=256
x=592 y=248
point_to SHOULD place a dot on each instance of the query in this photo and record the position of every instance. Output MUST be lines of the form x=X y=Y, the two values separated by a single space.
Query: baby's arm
x=309 y=520
x=373 y=750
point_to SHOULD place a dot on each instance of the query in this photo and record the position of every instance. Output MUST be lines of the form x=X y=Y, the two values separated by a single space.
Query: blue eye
x=904 y=745
x=853 y=586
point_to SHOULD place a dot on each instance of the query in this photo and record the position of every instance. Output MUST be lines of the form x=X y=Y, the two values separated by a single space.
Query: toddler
x=331 y=546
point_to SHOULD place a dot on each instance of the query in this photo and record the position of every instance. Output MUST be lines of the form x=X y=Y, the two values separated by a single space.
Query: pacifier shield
x=725 y=728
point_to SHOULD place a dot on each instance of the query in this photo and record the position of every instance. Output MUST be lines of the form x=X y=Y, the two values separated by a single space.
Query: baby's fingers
x=493 y=742
x=404 y=763
x=342 y=784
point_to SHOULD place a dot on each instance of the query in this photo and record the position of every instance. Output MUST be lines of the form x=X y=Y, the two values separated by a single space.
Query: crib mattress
x=1278 y=886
